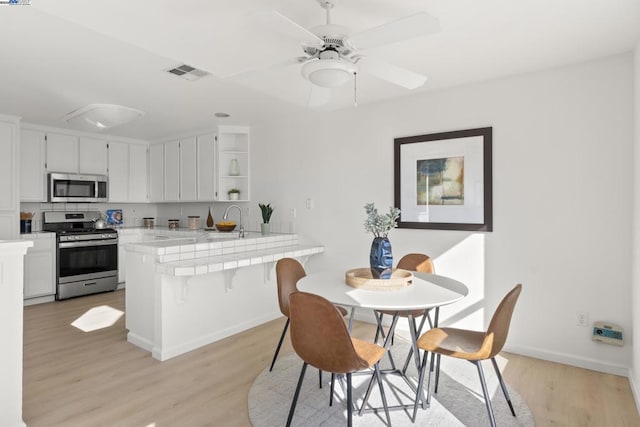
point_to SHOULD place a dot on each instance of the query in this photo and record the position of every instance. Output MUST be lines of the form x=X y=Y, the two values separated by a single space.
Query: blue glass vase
x=381 y=259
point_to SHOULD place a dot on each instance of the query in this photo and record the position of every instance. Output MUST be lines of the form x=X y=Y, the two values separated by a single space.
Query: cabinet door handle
x=89 y=284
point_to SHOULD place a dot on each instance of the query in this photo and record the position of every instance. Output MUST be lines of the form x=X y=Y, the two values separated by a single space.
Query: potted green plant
x=266 y=210
x=234 y=194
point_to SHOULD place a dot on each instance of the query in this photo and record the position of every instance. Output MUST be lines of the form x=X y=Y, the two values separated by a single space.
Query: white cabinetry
x=205 y=148
x=127 y=172
x=62 y=153
x=178 y=171
x=9 y=177
x=33 y=176
x=138 y=166
x=92 y=155
x=188 y=169
x=172 y=171
x=233 y=147
x=156 y=173
x=40 y=266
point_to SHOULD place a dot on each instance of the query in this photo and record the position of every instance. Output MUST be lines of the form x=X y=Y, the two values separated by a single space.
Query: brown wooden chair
x=320 y=337
x=288 y=272
x=469 y=345
x=412 y=262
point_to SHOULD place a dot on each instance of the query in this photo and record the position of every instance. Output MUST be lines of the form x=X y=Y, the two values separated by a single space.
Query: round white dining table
x=426 y=291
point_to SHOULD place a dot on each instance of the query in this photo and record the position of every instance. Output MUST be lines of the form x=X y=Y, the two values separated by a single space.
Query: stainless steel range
x=87 y=257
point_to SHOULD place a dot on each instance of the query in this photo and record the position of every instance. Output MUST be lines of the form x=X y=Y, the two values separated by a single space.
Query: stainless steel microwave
x=77 y=188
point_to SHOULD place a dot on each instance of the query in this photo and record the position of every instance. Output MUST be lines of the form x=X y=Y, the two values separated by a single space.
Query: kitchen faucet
x=226 y=214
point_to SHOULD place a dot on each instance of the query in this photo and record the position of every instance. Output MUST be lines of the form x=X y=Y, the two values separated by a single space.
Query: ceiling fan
x=333 y=56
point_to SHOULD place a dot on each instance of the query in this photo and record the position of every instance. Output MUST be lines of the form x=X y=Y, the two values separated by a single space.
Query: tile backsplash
x=133 y=213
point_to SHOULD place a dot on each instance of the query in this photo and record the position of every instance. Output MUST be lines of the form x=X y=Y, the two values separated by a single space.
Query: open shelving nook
x=233 y=148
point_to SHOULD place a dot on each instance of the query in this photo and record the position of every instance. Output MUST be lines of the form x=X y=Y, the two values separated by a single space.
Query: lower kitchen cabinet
x=40 y=265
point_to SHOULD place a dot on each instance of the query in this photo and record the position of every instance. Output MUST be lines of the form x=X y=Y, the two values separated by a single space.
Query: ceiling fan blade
x=391 y=73
x=411 y=26
x=319 y=96
x=289 y=28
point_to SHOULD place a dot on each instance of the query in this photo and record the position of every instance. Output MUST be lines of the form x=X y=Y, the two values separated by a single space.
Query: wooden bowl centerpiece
x=362 y=278
x=225 y=226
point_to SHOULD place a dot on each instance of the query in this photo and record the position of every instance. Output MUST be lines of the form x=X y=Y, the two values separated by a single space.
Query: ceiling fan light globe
x=328 y=73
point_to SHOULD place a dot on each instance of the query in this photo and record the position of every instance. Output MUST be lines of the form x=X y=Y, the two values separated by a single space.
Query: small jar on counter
x=193 y=222
x=148 y=222
x=174 y=224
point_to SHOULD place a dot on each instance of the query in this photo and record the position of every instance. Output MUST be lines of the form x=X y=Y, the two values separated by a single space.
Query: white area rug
x=459 y=401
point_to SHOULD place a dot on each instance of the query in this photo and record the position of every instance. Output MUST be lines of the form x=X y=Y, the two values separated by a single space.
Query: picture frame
x=443 y=180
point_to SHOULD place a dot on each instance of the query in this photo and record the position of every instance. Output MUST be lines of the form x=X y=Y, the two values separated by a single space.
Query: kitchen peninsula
x=192 y=289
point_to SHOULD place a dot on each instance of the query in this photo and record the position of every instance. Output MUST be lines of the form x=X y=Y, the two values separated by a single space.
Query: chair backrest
x=288 y=272
x=498 y=329
x=416 y=262
x=320 y=336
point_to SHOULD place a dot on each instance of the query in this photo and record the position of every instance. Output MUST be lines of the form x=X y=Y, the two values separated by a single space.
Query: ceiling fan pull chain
x=355 y=89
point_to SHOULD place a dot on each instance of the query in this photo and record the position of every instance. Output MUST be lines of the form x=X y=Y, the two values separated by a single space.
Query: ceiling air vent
x=188 y=72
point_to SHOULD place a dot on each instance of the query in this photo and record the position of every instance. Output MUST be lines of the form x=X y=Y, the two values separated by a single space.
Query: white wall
x=562 y=153
x=634 y=376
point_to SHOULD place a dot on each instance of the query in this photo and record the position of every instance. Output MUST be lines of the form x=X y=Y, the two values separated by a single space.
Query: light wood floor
x=75 y=378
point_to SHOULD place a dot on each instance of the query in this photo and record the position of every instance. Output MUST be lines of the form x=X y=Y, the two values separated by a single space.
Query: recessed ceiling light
x=222 y=115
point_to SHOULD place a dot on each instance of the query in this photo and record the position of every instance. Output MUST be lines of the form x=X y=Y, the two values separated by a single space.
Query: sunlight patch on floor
x=96 y=318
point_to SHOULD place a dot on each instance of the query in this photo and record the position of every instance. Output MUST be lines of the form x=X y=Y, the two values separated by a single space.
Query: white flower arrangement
x=378 y=224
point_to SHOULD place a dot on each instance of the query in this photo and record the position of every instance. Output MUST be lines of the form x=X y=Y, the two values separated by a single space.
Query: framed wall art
x=444 y=180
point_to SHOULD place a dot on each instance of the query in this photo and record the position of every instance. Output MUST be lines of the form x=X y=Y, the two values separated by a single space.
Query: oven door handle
x=86 y=243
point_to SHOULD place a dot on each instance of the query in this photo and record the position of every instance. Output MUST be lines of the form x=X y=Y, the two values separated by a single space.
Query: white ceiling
x=60 y=55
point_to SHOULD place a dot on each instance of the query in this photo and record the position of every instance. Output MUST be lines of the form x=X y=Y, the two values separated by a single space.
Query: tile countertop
x=209 y=252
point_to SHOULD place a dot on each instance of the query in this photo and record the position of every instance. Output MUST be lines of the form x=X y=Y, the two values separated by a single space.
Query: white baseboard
x=564 y=358
x=39 y=300
x=635 y=389
x=166 y=353
x=569 y=359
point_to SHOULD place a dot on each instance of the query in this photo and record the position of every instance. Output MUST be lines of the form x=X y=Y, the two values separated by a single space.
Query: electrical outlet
x=292 y=212
x=582 y=318
x=309 y=204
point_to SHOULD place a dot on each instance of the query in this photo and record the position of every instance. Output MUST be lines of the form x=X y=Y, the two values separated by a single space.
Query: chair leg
x=275 y=355
x=502 y=385
x=435 y=389
x=382 y=395
x=296 y=394
x=427 y=402
x=487 y=399
x=349 y=401
x=333 y=382
x=419 y=389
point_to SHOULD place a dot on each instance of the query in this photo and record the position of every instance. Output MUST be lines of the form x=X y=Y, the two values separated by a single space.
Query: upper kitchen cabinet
x=183 y=170
x=188 y=169
x=92 y=155
x=62 y=153
x=127 y=172
x=156 y=173
x=9 y=176
x=205 y=147
x=172 y=171
x=33 y=176
x=73 y=154
x=233 y=161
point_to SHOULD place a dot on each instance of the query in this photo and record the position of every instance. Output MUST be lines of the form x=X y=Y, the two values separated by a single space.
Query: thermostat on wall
x=607 y=333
